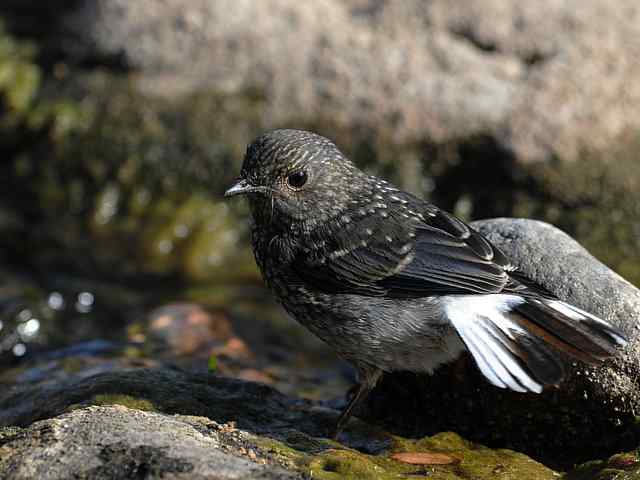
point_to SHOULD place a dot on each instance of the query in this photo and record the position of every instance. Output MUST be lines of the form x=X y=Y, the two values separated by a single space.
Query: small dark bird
x=392 y=282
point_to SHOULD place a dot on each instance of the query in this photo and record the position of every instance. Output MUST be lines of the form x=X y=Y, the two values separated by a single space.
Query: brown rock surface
x=545 y=79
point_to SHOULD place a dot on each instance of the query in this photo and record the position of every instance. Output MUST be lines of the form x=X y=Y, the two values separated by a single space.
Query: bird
x=393 y=283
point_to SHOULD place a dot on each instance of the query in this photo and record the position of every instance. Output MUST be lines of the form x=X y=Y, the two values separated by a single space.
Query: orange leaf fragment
x=425 y=458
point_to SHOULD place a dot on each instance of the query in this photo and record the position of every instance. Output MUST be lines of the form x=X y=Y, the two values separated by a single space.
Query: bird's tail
x=515 y=339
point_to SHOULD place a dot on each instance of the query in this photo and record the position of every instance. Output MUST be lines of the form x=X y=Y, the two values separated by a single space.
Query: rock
x=622 y=465
x=181 y=329
x=440 y=70
x=120 y=443
x=592 y=411
x=159 y=423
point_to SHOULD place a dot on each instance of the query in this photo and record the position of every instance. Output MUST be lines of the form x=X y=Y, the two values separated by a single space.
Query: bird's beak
x=242 y=187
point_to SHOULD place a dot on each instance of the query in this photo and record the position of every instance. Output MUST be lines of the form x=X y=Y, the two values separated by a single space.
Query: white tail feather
x=474 y=316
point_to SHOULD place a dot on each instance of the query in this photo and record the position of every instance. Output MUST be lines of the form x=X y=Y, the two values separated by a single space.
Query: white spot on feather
x=405 y=248
x=564 y=309
x=339 y=253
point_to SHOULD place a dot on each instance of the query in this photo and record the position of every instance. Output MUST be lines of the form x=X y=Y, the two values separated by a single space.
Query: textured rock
x=121 y=443
x=170 y=424
x=550 y=79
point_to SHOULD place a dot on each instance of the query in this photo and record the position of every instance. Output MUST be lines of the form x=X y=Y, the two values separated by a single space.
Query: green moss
x=7 y=433
x=324 y=459
x=558 y=428
x=282 y=453
x=124 y=400
x=24 y=112
x=212 y=363
x=19 y=78
x=622 y=466
x=347 y=464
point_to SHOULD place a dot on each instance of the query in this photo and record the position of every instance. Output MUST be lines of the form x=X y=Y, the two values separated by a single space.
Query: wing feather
x=430 y=252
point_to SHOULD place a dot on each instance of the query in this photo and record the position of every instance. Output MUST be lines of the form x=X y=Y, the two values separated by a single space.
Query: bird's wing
x=409 y=249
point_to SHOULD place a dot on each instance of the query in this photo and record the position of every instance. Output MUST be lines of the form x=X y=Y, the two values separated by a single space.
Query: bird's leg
x=343 y=419
x=367 y=381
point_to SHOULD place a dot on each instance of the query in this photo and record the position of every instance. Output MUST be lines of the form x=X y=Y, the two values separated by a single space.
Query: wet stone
x=160 y=422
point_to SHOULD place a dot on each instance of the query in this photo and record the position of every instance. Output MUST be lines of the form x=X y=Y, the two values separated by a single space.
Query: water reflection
x=56 y=301
x=19 y=349
x=84 y=304
x=29 y=328
x=35 y=319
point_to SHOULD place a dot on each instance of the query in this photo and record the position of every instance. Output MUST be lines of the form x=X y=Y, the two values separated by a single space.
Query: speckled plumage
x=392 y=282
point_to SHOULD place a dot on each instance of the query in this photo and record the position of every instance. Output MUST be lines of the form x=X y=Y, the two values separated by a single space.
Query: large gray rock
x=547 y=79
x=116 y=442
x=172 y=424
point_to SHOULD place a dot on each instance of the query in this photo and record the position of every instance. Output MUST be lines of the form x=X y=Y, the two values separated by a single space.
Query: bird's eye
x=297 y=179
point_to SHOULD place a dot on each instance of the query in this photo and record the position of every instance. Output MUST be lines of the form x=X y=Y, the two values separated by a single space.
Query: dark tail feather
x=532 y=353
x=570 y=329
x=515 y=340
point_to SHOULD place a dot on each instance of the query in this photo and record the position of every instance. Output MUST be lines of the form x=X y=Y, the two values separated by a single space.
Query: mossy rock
x=19 y=80
x=622 y=466
x=133 y=184
x=473 y=462
x=558 y=428
x=283 y=430
x=125 y=400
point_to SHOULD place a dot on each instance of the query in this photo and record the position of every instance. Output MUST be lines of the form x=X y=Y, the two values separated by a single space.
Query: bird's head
x=294 y=177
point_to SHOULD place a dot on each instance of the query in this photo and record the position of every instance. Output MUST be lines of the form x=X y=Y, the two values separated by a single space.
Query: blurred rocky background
x=122 y=122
